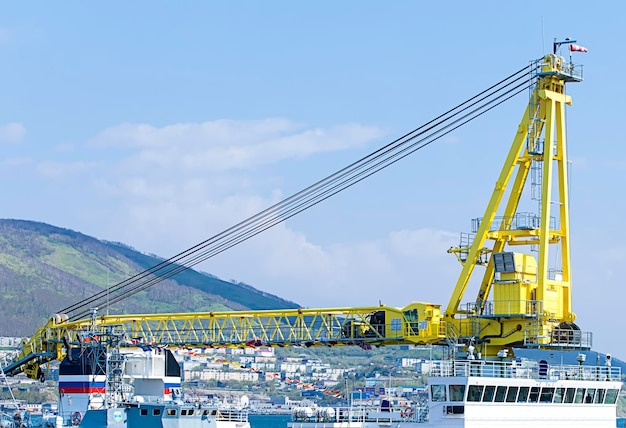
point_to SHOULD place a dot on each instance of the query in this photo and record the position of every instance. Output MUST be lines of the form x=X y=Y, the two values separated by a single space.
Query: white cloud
x=206 y=175
x=362 y=273
x=218 y=132
x=180 y=184
x=227 y=144
x=419 y=243
x=186 y=180
x=12 y=132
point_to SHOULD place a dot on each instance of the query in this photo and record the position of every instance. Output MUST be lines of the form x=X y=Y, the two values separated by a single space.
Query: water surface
x=269 y=421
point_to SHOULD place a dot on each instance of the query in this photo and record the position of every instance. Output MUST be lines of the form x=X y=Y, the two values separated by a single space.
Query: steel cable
x=312 y=195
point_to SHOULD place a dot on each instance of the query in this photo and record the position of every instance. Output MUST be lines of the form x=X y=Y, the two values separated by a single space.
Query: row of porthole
x=191 y=412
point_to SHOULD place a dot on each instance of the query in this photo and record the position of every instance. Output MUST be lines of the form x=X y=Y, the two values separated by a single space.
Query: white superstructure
x=484 y=394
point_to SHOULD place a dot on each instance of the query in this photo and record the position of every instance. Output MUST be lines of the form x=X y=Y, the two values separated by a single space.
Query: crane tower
x=532 y=303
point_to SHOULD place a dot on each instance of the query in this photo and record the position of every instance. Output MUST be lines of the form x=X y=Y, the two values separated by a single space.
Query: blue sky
x=159 y=124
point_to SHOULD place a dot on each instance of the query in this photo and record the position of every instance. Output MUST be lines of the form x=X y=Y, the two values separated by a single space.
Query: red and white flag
x=577 y=48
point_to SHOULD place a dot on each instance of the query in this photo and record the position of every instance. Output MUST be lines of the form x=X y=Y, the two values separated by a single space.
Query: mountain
x=44 y=269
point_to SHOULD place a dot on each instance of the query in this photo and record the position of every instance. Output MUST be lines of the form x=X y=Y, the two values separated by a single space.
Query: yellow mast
x=531 y=302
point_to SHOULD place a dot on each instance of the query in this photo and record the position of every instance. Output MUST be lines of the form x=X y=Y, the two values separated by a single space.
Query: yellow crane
x=521 y=300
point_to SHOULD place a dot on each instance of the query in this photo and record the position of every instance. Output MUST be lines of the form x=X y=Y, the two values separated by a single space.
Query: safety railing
x=518 y=221
x=526 y=369
x=362 y=414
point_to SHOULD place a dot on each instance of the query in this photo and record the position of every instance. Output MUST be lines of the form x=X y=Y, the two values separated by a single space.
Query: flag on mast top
x=577 y=48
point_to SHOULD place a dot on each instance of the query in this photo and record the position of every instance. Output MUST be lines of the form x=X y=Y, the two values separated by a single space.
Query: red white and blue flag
x=577 y=48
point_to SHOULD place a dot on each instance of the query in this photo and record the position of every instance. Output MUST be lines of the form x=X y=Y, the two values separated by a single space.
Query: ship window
x=569 y=395
x=522 y=397
x=171 y=412
x=489 y=392
x=183 y=412
x=500 y=393
x=156 y=412
x=590 y=394
x=213 y=412
x=533 y=397
x=206 y=412
x=546 y=395
x=611 y=396
x=475 y=392
x=511 y=395
x=599 y=396
x=190 y=412
x=143 y=412
x=558 y=395
x=438 y=392
x=580 y=393
x=457 y=392
x=455 y=410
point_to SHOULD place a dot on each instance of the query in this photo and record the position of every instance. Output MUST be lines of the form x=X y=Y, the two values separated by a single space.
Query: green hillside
x=44 y=269
x=243 y=294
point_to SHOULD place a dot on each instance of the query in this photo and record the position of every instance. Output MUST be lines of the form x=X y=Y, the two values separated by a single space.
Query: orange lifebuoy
x=77 y=417
x=407 y=412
